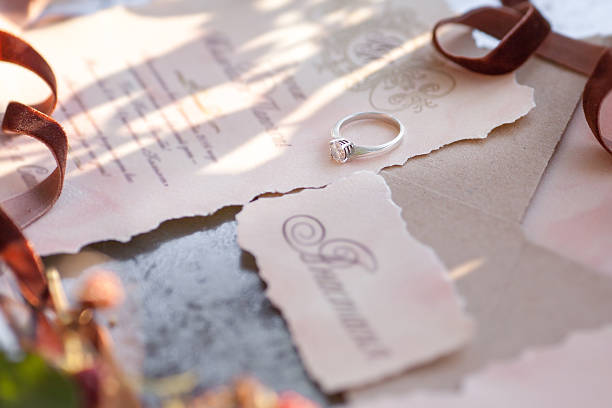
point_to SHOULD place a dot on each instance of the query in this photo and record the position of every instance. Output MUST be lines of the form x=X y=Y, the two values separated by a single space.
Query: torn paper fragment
x=178 y=115
x=574 y=374
x=363 y=299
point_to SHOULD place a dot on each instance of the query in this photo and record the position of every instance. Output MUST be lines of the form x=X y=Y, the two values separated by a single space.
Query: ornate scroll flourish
x=523 y=31
x=307 y=235
x=411 y=86
x=412 y=82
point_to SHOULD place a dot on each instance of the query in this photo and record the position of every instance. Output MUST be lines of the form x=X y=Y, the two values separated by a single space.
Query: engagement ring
x=341 y=149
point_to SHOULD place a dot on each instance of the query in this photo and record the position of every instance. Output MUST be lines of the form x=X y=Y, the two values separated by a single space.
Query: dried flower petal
x=250 y=393
x=290 y=399
x=102 y=289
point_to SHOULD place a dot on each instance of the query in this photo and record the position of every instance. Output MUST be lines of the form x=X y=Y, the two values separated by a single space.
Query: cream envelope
x=467 y=202
x=570 y=213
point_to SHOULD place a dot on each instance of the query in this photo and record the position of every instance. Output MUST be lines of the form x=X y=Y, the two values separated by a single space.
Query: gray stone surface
x=201 y=307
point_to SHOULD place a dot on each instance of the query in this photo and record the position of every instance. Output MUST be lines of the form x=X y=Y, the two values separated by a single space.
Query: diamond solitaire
x=341 y=149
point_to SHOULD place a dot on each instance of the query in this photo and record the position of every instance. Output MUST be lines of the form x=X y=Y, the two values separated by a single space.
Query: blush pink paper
x=363 y=299
x=172 y=113
x=574 y=374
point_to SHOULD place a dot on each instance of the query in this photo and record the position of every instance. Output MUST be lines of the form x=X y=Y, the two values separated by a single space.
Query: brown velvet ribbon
x=522 y=32
x=21 y=210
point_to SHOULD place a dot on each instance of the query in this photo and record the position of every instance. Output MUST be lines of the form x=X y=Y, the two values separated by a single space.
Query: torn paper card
x=574 y=374
x=362 y=298
x=170 y=113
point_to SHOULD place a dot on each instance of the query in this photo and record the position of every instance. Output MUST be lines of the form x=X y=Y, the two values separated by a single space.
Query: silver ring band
x=341 y=149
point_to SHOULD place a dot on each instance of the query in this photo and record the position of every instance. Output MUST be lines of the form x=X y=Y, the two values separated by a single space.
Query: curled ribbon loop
x=33 y=203
x=14 y=50
x=522 y=32
x=595 y=91
x=19 y=211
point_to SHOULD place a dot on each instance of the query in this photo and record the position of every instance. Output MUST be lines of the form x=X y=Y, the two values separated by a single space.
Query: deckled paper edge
x=347 y=385
x=467 y=383
x=126 y=237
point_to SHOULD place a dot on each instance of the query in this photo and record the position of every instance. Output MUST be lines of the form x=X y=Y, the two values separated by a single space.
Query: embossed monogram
x=413 y=82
